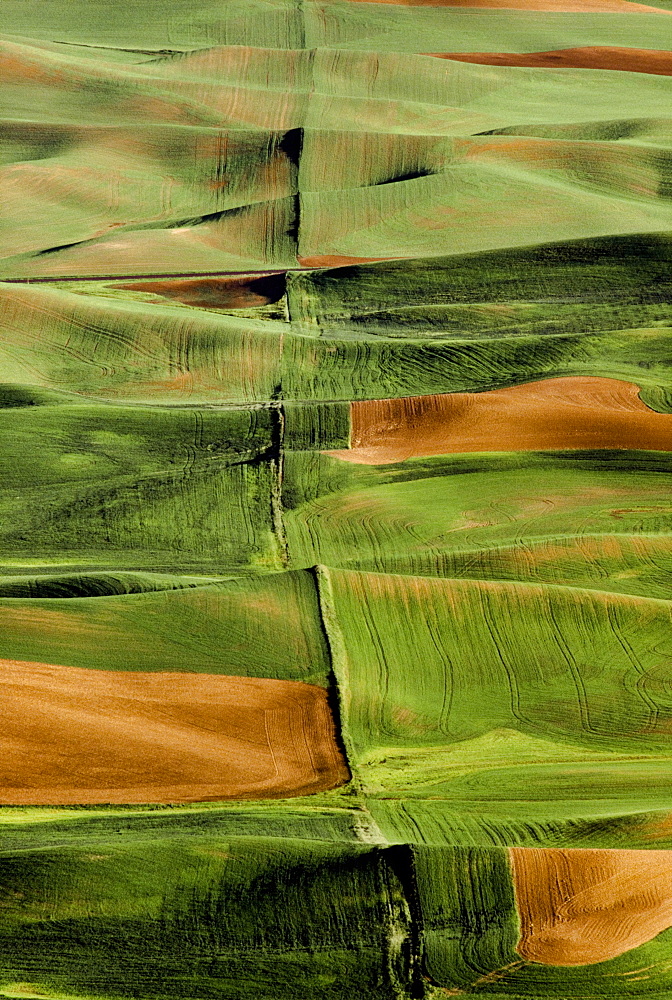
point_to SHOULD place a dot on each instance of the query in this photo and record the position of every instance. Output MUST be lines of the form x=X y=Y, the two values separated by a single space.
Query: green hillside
x=491 y=516
x=89 y=486
x=219 y=915
x=260 y=626
x=229 y=229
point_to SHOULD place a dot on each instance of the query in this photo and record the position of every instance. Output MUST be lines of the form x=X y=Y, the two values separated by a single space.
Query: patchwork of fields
x=336 y=522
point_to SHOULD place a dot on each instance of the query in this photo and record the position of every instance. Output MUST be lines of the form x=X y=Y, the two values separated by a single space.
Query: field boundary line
x=338 y=656
x=277 y=462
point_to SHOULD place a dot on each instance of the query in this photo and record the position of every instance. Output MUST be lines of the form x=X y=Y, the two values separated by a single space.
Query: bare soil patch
x=336 y=260
x=552 y=6
x=589 y=57
x=574 y=413
x=579 y=907
x=235 y=292
x=77 y=736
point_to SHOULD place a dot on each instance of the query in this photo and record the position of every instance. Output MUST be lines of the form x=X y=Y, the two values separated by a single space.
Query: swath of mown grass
x=329 y=816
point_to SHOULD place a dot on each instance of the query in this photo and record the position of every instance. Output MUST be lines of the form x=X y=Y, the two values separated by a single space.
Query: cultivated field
x=335 y=517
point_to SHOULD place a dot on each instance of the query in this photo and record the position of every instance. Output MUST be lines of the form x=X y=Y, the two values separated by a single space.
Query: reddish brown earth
x=234 y=292
x=590 y=57
x=551 y=6
x=558 y=413
x=77 y=736
x=579 y=907
x=336 y=260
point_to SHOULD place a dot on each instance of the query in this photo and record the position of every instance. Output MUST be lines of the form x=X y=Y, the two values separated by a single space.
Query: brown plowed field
x=71 y=735
x=556 y=414
x=578 y=907
x=238 y=292
x=336 y=260
x=551 y=6
x=590 y=57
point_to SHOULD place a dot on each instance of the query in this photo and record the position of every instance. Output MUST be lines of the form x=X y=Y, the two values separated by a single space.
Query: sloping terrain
x=555 y=690
x=81 y=736
x=470 y=900
x=258 y=626
x=335 y=519
x=198 y=911
x=136 y=488
x=231 y=156
x=590 y=518
x=572 y=413
x=584 y=907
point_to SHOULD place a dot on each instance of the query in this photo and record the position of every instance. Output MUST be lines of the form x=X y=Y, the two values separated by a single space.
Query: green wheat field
x=335 y=499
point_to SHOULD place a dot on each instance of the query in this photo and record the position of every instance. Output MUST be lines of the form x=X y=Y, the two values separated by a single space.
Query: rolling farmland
x=335 y=517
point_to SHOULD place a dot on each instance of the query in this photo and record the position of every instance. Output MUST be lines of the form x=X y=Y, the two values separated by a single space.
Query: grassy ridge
x=289 y=24
x=262 y=626
x=233 y=156
x=605 y=823
x=222 y=916
x=140 y=352
x=136 y=488
x=594 y=520
x=561 y=288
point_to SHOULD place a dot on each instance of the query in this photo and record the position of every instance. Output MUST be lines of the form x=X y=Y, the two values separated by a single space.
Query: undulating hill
x=335 y=517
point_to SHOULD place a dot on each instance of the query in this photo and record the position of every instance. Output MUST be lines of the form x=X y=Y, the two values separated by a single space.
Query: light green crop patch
x=517 y=695
x=607 y=823
x=258 y=626
x=594 y=520
x=176 y=25
x=228 y=154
